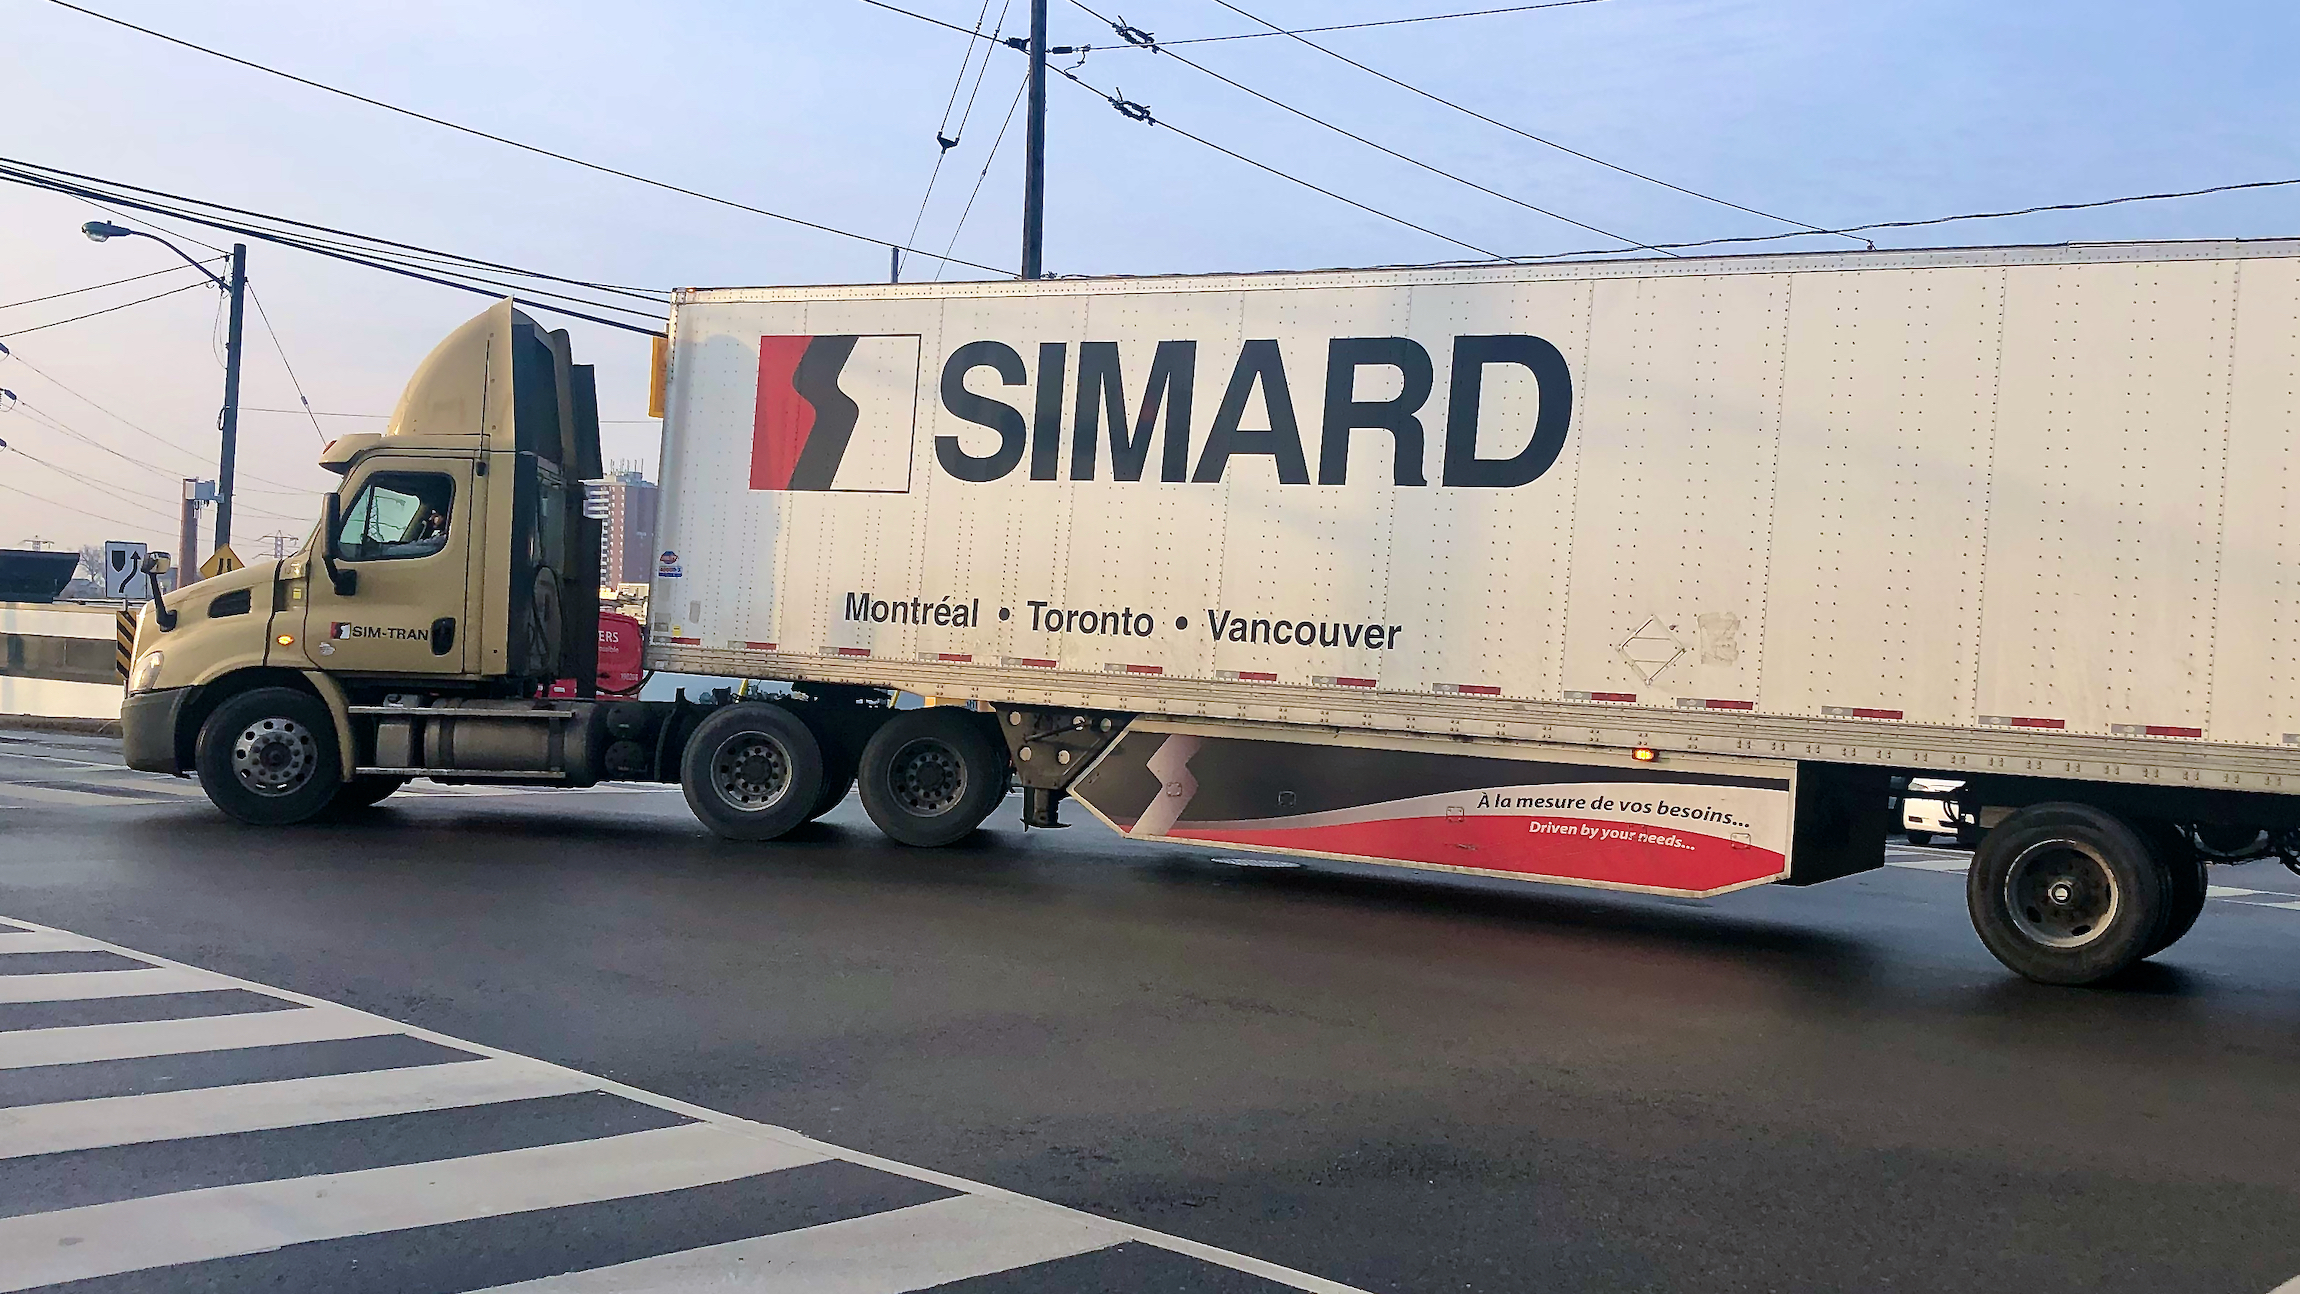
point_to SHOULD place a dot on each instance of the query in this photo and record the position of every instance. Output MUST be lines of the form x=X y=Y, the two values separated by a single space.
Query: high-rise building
x=627 y=546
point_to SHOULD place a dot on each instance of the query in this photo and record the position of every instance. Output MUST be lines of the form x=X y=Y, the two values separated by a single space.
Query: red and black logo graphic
x=804 y=420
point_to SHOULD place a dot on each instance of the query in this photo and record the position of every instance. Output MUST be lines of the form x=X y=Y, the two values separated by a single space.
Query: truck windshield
x=398 y=515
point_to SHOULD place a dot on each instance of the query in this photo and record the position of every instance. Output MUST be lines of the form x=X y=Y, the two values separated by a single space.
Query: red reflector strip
x=851 y=651
x=2153 y=730
x=958 y=657
x=1133 y=669
x=1025 y=660
x=1245 y=676
x=1859 y=712
x=1601 y=696
x=1692 y=703
x=2016 y=721
x=1467 y=689
x=688 y=642
x=760 y=646
x=1335 y=680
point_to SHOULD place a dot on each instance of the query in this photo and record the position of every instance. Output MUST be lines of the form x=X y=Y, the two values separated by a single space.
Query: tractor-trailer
x=1645 y=575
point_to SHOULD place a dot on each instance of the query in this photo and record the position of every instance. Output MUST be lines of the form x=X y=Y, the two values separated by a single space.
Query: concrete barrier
x=59 y=661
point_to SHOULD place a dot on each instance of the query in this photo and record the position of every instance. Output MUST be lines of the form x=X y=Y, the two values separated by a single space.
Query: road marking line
x=282 y=1103
x=45 y=941
x=59 y=759
x=2289 y=905
x=1931 y=864
x=79 y=1044
x=253 y=1217
x=577 y=1081
x=75 y=986
x=913 y=1248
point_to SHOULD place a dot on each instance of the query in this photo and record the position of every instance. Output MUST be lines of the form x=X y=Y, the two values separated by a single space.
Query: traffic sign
x=219 y=561
x=124 y=570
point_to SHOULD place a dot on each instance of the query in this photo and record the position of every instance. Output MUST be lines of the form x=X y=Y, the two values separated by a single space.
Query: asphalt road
x=1388 y=1081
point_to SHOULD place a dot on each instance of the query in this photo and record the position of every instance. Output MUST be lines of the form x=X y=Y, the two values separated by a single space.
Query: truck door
x=407 y=530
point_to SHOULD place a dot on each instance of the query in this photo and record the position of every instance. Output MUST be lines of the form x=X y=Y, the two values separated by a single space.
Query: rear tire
x=364 y=792
x=2067 y=894
x=268 y=757
x=931 y=776
x=751 y=772
x=2185 y=885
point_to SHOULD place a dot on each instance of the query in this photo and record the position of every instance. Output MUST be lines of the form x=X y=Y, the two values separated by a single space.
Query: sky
x=1820 y=111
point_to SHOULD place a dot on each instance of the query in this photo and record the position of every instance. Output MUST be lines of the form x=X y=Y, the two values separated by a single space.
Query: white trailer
x=1641 y=574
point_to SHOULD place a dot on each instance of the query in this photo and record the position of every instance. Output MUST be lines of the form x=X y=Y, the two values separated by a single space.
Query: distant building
x=627 y=547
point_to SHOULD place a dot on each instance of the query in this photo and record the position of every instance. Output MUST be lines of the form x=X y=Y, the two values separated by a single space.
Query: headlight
x=147 y=671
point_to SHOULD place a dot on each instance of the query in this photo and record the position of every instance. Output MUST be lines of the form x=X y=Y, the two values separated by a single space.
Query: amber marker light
x=288 y=640
x=1645 y=754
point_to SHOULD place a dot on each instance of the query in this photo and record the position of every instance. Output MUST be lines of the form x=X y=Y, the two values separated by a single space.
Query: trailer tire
x=931 y=776
x=268 y=757
x=751 y=772
x=2185 y=883
x=1919 y=838
x=838 y=780
x=364 y=792
x=2067 y=894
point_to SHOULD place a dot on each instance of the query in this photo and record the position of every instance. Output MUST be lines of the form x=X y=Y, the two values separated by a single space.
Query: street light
x=227 y=422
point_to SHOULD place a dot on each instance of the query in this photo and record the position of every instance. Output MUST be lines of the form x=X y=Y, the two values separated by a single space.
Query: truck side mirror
x=345 y=582
x=155 y=566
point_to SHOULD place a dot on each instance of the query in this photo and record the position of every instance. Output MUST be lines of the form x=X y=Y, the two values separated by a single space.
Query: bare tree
x=92 y=562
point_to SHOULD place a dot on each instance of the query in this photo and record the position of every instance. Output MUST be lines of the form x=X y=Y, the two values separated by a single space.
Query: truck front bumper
x=148 y=729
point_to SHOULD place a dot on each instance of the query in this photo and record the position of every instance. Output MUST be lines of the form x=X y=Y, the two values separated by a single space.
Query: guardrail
x=63 y=660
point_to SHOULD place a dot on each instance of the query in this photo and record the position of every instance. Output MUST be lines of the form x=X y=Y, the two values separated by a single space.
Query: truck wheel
x=931 y=776
x=268 y=757
x=1919 y=838
x=751 y=772
x=2185 y=884
x=364 y=792
x=838 y=779
x=2066 y=894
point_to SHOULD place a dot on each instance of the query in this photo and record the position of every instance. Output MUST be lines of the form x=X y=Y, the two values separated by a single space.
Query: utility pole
x=188 y=535
x=229 y=421
x=1034 y=165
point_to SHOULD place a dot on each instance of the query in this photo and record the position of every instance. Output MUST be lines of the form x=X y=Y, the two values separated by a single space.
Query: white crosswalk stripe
x=190 y=1193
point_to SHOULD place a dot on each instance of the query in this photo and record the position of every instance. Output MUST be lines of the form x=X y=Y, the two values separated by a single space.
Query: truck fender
x=338 y=709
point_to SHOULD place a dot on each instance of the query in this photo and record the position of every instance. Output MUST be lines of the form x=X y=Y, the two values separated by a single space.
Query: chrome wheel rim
x=274 y=757
x=751 y=772
x=927 y=777
x=2062 y=894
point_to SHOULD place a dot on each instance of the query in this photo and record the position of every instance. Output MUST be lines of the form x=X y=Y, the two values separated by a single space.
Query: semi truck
x=1615 y=573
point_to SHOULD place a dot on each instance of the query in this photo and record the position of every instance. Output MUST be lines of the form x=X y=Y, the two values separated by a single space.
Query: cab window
x=397 y=515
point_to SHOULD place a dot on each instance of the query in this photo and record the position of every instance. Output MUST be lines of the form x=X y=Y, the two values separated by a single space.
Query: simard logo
x=1098 y=413
x=834 y=413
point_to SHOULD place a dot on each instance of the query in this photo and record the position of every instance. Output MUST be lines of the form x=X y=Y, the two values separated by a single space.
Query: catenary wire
x=502 y=139
x=983 y=175
x=73 y=292
x=1314 y=119
x=946 y=142
x=1115 y=101
x=58 y=323
x=1275 y=29
x=80 y=509
x=1380 y=22
x=250 y=231
x=367 y=243
x=293 y=380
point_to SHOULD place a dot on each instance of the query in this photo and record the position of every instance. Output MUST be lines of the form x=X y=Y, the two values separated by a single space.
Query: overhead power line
x=80 y=508
x=293 y=380
x=58 y=323
x=987 y=160
x=1314 y=119
x=73 y=292
x=148 y=434
x=1380 y=22
x=505 y=140
x=1276 y=30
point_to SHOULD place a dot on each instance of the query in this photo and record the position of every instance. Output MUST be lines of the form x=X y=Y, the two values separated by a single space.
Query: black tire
x=1919 y=838
x=2067 y=894
x=837 y=782
x=931 y=776
x=364 y=792
x=751 y=772
x=2185 y=883
x=268 y=757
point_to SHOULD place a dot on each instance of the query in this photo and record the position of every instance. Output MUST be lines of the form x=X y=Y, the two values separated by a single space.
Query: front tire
x=931 y=776
x=268 y=757
x=1919 y=838
x=752 y=772
x=2067 y=894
